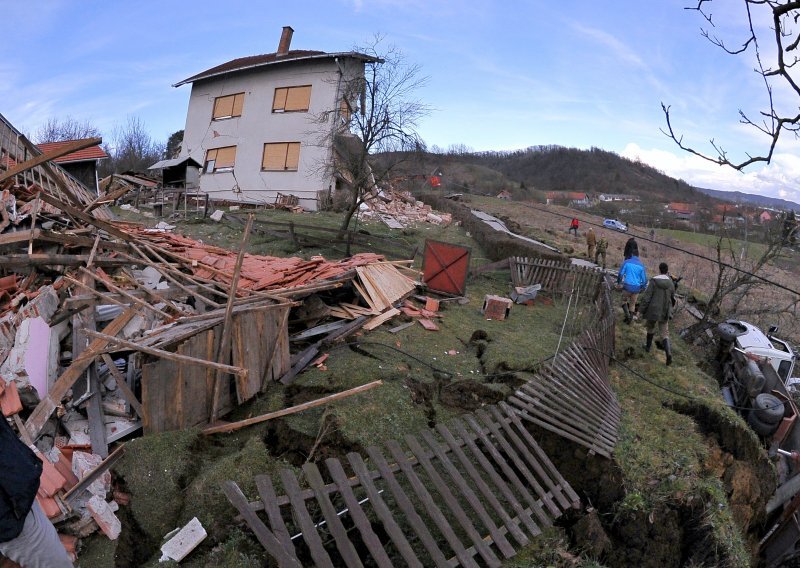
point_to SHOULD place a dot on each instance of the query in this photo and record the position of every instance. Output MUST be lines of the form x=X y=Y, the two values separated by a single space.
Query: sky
x=502 y=75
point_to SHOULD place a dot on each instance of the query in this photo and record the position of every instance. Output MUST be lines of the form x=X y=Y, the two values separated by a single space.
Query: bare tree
x=60 y=129
x=378 y=115
x=133 y=147
x=772 y=122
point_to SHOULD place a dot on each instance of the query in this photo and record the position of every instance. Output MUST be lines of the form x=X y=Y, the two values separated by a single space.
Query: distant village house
x=82 y=165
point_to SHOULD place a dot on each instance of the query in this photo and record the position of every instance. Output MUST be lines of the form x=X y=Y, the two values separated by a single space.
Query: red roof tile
x=90 y=153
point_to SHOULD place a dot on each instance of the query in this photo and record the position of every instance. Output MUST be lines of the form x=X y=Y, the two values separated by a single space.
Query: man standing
x=573 y=226
x=602 y=247
x=632 y=278
x=591 y=243
x=656 y=308
x=26 y=534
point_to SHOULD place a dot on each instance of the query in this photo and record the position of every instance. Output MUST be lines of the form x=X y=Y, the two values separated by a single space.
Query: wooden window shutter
x=279 y=103
x=298 y=98
x=226 y=157
x=223 y=106
x=274 y=156
x=292 y=155
x=211 y=155
x=238 y=103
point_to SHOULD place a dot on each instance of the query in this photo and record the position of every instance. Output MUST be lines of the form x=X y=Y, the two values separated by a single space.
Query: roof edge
x=352 y=54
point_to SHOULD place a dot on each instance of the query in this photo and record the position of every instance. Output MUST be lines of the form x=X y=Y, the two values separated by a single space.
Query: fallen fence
x=459 y=498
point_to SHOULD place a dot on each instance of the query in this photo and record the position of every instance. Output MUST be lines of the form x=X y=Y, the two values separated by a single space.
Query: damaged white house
x=262 y=126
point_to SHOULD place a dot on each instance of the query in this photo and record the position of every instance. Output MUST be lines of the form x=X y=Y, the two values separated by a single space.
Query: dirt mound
x=468 y=395
x=298 y=448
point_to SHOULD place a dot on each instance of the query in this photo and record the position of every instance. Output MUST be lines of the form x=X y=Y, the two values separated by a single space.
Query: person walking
x=656 y=309
x=26 y=534
x=573 y=226
x=602 y=247
x=632 y=278
x=591 y=243
x=631 y=249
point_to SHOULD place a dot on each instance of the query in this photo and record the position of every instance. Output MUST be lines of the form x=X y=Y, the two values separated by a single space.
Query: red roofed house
x=681 y=210
x=765 y=217
x=262 y=125
x=82 y=165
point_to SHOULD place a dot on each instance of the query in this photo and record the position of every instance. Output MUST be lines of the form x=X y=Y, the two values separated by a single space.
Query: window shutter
x=298 y=98
x=280 y=99
x=211 y=155
x=292 y=155
x=274 y=156
x=226 y=157
x=223 y=106
x=238 y=103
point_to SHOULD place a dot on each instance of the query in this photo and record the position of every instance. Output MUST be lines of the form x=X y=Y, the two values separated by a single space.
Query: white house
x=264 y=125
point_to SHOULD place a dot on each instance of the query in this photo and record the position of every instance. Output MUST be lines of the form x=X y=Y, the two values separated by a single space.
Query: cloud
x=621 y=51
x=778 y=179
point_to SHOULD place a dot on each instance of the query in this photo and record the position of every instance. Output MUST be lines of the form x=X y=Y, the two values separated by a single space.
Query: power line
x=679 y=249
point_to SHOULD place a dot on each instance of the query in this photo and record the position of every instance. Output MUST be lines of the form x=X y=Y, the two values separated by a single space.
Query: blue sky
x=502 y=75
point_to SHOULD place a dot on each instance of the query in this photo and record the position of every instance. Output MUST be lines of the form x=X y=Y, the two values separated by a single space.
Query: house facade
x=264 y=125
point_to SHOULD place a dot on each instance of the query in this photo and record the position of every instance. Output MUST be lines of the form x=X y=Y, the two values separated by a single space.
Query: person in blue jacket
x=632 y=278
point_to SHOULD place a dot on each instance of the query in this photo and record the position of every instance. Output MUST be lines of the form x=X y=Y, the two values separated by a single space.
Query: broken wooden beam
x=291 y=410
x=122 y=385
x=239 y=371
x=67 y=148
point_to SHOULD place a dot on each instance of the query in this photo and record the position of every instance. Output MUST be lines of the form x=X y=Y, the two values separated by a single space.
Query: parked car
x=615 y=225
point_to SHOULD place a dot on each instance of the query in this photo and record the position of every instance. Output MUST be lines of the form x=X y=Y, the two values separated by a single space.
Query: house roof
x=576 y=195
x=92 y=153
x=174 y=162
x=681 y=207
x=255 y=61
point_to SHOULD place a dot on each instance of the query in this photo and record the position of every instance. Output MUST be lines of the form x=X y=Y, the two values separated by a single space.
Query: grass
x=752 y=250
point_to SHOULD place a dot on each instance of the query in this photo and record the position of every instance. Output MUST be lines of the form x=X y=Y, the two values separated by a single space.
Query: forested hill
x=555 y=168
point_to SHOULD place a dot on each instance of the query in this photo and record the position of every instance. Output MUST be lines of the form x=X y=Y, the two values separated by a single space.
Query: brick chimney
x=286 y=40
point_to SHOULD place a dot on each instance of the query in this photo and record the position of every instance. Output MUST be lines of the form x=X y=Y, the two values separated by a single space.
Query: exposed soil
x=468 y=395
x=297 y=448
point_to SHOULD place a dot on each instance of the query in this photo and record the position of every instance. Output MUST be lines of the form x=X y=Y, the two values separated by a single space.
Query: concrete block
x=83 y=463
x=217 y=215
x=44 y=305
x=496 y=307
x=104 y=516
x=187 y=539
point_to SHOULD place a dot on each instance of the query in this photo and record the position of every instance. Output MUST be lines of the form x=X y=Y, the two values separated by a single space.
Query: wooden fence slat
x=488 y=468
x=407 y=507
x=455 y=508
x=264 y=536
x=382 y=510
x=267 y=493
x=334 y=523
x=301 y=516
x=369 y=537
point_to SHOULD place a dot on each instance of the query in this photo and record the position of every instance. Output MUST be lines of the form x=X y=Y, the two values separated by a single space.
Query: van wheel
x=768 y=408
x=760 y=427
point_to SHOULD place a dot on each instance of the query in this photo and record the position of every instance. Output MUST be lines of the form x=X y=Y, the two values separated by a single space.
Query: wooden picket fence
x=468 y=493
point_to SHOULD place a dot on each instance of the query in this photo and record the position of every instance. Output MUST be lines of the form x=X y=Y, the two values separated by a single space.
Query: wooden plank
x=382 y=510
x=269 y=499
x=67 y=148
x=91 y=476
x=380 y=319
x=310 y=535
x=223 y=353
x=94 y=411
x=458 y=511
x=291 y=410
x=334 y=523
x=168 y=355
x=84 y=217
x=434 y=512
x=45 y=408
x=407 y=507
x=484 y=488
x=263 y=534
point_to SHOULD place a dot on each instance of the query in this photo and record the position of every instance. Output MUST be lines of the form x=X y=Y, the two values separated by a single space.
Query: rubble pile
x=100 y=320
x=402 y=208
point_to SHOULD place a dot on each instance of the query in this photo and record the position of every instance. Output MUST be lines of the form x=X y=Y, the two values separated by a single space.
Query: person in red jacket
x=573 y=226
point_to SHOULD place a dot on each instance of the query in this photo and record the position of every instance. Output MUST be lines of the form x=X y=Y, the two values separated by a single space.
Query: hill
x=751 y=198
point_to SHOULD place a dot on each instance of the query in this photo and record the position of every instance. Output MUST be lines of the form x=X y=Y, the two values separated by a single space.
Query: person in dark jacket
x=656 y=308
x=632 y=278
x=26 y=534
x=631 y=248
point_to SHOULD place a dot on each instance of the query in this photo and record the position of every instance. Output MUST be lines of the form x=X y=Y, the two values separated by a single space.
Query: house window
x=291 y=99
x=228 y=106
x=281 y=157
x=220 y=160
